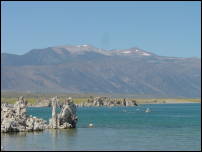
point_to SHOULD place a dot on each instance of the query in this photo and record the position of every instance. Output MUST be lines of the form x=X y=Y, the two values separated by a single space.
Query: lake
x=166 y=127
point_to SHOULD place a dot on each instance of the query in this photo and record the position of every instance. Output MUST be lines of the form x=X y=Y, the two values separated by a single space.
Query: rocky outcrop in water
x=53 y=120
x=109 y=102
x=15 y=119
x=41 y=103
x=67 y=117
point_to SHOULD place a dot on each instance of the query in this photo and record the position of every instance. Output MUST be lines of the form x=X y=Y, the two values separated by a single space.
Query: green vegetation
x=32 y=98
x=12 y=100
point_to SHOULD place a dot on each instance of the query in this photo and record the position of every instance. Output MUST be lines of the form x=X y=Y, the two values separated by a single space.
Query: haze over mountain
x=87 y=69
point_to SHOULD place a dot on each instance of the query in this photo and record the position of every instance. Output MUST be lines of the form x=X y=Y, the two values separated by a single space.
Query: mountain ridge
x=85 y=68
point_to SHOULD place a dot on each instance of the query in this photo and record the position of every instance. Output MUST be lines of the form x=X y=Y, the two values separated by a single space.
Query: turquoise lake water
x=166 y=127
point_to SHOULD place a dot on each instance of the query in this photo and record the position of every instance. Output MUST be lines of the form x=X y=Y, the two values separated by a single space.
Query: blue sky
x=164 y=28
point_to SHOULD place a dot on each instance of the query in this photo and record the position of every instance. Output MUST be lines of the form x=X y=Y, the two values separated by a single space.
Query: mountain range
x=87 y=69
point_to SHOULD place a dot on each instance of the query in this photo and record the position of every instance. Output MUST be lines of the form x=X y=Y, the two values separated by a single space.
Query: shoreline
x=168 y=102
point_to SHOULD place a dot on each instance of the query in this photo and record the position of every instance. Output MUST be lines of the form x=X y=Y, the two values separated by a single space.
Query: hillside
x=86 y=69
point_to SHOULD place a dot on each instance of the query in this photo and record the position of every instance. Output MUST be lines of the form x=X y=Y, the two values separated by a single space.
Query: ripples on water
x=166 y=127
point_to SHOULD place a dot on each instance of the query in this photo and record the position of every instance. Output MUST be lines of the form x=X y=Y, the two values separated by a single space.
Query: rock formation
x=67 y=117
x=109 y=102
x=41 y=103
x=53 y=120
x=15 y=119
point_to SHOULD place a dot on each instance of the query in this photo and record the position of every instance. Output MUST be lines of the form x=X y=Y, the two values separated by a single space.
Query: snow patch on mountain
x=126 y=52
x=145 y=54
x=84 y=45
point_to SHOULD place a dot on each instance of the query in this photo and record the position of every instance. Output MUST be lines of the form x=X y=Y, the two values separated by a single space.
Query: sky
x=164 y=28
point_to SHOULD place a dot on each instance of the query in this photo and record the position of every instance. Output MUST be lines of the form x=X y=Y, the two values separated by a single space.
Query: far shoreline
x=169 y=102
x=36 y=106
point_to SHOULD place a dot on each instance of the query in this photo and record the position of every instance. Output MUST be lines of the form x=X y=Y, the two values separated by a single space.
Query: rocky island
x=108 y=102
x=14 y=118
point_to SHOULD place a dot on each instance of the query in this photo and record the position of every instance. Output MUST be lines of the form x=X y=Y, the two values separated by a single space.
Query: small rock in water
x=147 y=110
x=90 y=125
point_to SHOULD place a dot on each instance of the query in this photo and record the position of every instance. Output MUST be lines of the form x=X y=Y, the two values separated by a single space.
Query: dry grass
x=11 y=98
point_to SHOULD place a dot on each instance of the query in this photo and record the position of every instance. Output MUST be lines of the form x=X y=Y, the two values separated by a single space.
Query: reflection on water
x=49 y=139
x=20 y=134
x=68 y=132
x=61 y=137
x=14 y=134
x=53 y=132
